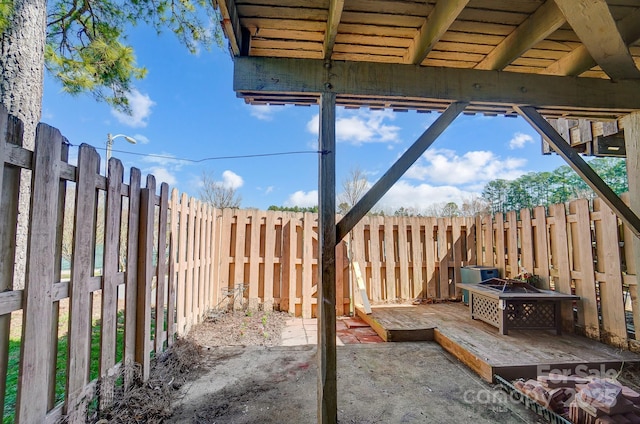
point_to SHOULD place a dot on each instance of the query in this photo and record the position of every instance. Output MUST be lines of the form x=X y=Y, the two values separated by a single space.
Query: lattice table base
x=518 y=314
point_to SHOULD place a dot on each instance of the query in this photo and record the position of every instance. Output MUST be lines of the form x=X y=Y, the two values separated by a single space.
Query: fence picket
x=403 y=260
x=307 y=263
x=254 y=259
x=377 y=292
x=131 y=278
x=526 y=241
x=512 y=245
x=161 y=269
x=614 y=329
x=113 y=215
x=145 y=277
x=583 y=262
x=11 y=132
x=541 y=267
x=181 y=252
x=560 y=256
x=269 y=256
x=33 y=389
x=416 y=259
x=389 y=260
x=79 y=295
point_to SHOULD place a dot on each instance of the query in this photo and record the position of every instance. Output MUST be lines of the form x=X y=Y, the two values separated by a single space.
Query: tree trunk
x=21 y=85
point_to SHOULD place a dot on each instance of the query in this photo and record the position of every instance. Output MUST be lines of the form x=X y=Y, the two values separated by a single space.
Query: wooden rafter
x=335 y=14
x=438 y=22
x=231 y=24
x=536 y=28
x=575 y=161
x=579 y=60
x=595 y=27
x=485 y=88
x=396 y=171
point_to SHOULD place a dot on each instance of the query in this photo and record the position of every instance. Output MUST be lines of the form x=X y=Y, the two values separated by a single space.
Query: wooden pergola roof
x=432 y=53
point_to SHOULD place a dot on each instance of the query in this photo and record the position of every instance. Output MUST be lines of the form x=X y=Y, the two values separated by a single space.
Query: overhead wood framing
x=439 y=21
x=410 y=55
x=536 y=28
x=596 y=28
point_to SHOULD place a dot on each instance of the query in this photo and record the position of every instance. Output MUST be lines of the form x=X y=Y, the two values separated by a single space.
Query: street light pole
x=110 y=140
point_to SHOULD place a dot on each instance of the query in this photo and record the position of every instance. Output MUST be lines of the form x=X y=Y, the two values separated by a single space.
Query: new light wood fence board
x=614 y=329
x=583 y=262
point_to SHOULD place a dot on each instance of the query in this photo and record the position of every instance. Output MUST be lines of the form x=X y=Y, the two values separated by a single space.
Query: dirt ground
x=248 y=378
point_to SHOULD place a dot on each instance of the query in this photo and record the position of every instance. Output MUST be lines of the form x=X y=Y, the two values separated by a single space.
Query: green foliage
x=86 y=43
x=546 y=188
x=312 y=209
x=6 y=10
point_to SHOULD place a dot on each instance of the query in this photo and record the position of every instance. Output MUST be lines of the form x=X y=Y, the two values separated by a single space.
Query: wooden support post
x=583 y=169
x=632 y=143
x=396 y=171
x=327 y=388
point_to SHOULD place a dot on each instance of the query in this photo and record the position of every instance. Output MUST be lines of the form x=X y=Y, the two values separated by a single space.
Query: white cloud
x=141 y=139
x=163 y=175
x=519 y=140
x=361 y=126
x=231 y=180
x=445 y=166
x=264 y=112
x=268 y=190
x=165 y=159
x=303 y=199
x=140 y=110
x=420 y=196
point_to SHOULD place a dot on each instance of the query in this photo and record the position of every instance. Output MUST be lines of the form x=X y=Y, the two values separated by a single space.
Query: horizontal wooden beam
x=575 y=161
x=485 y=88
x=396 y=171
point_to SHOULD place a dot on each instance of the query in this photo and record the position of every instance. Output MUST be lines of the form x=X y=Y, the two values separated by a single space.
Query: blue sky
x=186 y=108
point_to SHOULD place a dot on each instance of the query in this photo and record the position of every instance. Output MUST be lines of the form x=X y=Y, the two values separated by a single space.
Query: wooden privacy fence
x=269 y=260
x=113 y=305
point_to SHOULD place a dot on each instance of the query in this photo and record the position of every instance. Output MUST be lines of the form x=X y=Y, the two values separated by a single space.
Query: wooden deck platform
x=521 y=353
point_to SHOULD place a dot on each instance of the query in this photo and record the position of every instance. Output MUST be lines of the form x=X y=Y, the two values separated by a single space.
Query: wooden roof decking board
x=392 y=32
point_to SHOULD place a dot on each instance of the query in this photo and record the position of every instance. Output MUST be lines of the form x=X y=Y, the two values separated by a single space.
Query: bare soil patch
x=240 y=328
